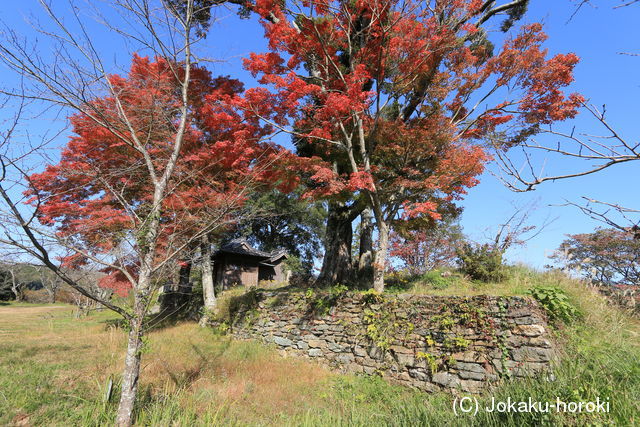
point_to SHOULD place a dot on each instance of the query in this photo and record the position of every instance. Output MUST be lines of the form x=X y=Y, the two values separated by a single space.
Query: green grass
x=54 y=370
x=519 y=279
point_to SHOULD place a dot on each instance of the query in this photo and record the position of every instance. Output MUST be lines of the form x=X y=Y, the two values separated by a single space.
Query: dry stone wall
x=428 y=342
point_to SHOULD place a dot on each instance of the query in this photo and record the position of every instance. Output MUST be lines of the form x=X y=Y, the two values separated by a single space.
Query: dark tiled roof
x=277 y=255
x=242 y=247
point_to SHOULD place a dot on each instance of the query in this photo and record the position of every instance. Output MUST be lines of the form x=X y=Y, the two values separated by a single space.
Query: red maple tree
x=606 y=257
x=99 y=195
x=427 y=248
x=399 y=97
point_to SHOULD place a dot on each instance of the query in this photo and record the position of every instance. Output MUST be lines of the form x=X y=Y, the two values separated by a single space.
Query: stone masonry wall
x=427 y=342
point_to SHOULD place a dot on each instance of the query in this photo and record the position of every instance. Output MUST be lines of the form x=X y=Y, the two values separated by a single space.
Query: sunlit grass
x=55 y=368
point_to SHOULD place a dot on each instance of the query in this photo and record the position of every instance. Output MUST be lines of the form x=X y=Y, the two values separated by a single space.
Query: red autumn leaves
x=99 y=192
x=396 y=99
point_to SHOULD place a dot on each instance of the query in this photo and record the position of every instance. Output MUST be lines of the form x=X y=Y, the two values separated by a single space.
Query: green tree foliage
x=5 y=286
x=605 y=257
x=286 y=221
x=481 y=262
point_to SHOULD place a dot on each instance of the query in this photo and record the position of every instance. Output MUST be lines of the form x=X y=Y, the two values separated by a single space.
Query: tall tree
x=606 y=257
x=424 y=249
x=102 y=198
x=159 y=158
x=397 y=98
x=599 y=150
x=10 y=280
x=287 y=221
x=6 y=292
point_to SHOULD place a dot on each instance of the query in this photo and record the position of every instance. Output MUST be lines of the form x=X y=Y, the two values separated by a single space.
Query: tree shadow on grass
x=166 y=318
x=152 y=322
x=185 y=378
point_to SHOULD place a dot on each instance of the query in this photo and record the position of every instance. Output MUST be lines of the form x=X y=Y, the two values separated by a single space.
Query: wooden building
x=238 y=263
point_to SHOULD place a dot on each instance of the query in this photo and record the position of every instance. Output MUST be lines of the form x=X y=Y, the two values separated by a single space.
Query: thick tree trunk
x=131 y=373
x=208 y=289
x=337 y=266
x=380 y=260
x=365 y=253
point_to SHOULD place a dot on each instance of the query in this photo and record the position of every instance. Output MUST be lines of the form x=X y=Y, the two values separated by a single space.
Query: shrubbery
x=435 y=279
x=555 y=302
x=481 y=262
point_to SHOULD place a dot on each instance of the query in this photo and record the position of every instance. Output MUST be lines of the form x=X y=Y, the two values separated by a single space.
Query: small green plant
x=451 y=361
x=372 y=296
x=378 y=326
x=221 y=328
x=456 y=343
x=444 y=321
x=429 y=341
x=322 y=304
x=338 y=290
x=384 y=326
x=430 y=359
x=145 y=348
x=555 y=302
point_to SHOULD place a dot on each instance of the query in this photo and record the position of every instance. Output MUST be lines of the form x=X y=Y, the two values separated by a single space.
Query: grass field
x=55 y=370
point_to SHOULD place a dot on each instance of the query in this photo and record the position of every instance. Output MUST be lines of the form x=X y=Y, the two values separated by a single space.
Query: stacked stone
x=512 y=340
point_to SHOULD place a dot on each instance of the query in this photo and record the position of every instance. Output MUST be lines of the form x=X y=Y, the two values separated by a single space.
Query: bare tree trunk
x=131 y=373
x=17 y=291
x=380 y=261
x=52 y=295
x=365 y=255
x=208 y=290
x=184 y=276
x=337 y=265
x=16 y=287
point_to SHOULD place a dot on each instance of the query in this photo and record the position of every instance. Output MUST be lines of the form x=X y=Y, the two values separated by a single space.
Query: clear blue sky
x=604 y=76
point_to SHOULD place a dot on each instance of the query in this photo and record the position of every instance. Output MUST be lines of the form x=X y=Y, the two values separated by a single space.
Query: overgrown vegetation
x=481 y=262
x=555 y=302
x=517 y=280
x=195 y=377
x=321 y=303
x=605 y=257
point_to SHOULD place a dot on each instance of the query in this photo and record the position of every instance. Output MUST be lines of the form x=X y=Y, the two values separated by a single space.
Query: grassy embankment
x=54 y=370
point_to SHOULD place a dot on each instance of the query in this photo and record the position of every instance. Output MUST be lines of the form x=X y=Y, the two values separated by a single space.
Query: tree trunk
x=16 y=287
x=184 y=282
x=17 y=291
x=52 y=296
x=365 y=255
x=337 y=266
x=131 y=372
x=208 y=289
x=179 y=294
x=380 y=261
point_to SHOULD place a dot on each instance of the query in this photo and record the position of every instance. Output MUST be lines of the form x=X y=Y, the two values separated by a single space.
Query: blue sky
x=604 y=76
